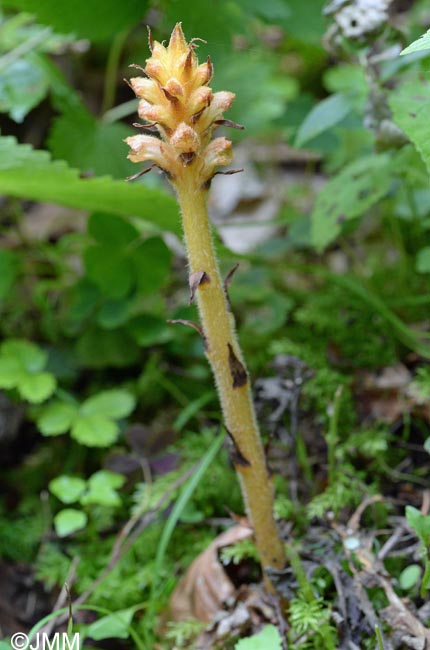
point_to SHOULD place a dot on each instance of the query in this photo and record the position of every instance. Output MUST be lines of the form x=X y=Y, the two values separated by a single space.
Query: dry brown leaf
x=385 y=395
x=205 y=587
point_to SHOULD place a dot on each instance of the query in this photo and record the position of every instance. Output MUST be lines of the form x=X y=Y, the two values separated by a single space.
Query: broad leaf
x=422 y=264
x=23 y=84
x=348 y=195
x=114 y=625
x=90 y=145
x=268 y=639
x=323 y=116
x=93 y=20
x=31 y=174
x=111 y=230
x=411 y=112
x=422 y=43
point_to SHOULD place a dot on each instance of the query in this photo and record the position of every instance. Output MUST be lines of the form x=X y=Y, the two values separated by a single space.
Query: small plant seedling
x=177 y=103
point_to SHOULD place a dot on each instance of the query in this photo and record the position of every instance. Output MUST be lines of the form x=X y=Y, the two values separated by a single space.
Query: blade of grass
x=182 y=501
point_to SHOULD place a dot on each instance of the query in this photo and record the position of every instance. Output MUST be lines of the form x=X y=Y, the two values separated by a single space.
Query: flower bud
x=145 y=147
x=185 y=139
x=174 y=87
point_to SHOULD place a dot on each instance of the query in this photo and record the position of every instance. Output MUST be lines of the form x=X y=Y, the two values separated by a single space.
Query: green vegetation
x=116 y=472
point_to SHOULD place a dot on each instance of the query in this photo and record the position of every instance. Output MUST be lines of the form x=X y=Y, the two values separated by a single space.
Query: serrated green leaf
x=268 y=639
x=411 y=112
x=93 y=20
x=114 y=404
x=111 y=230
x=114 y=625
x=90 y=145
x=37 y=388
x=422 y=43
x=348 y=195
x=30 y=173
x=323 y=116
x=94 y=430
x=152 y=264
x=56 y=418
x=69 y=521
x=67 y=489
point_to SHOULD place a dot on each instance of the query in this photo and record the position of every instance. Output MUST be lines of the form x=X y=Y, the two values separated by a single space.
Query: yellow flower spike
x=176 y=99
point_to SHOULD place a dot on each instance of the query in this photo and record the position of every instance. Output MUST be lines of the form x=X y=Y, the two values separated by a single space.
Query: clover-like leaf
x=67 y=488
x=22 y=366
x=37 y=388
x=94 y=430
x=56 y=418
x=69 y=521
x=114 y=404
x=102 y=488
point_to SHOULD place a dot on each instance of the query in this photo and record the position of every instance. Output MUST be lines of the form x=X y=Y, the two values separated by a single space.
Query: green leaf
x=115 y=312
x=268 y=639
x=93 y=20
x=10 y=372
x=23 y=85
x=422 y=264
x=410 y=576
x=99 y=348
x=94 y=430
x=110 y=403
x=31 y=174
x=411 y=112
x=29 y=355
x=37 y=388
x=277 y=11
x=148 y=329
x=422 y=43
x=116 y=625
x=152 y=263
x=420 y=524
x=110 y=269
x=9 y=265
x=111 y=230
x=56 y=418
x=67 y=489
x=349 y=195
x=323 y=116
x=92 y=146
x=102 y=488
x=69 y=521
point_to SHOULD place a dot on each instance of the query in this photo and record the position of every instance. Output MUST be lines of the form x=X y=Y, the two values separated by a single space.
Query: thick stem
x=228 y=366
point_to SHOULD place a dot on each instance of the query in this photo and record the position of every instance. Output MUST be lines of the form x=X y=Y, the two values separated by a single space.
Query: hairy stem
x=229 y=370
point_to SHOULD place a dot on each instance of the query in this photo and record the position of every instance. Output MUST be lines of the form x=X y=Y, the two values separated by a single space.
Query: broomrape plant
x=177 y=103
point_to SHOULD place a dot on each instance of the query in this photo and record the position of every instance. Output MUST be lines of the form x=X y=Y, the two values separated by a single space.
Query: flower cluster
x=176 y=102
